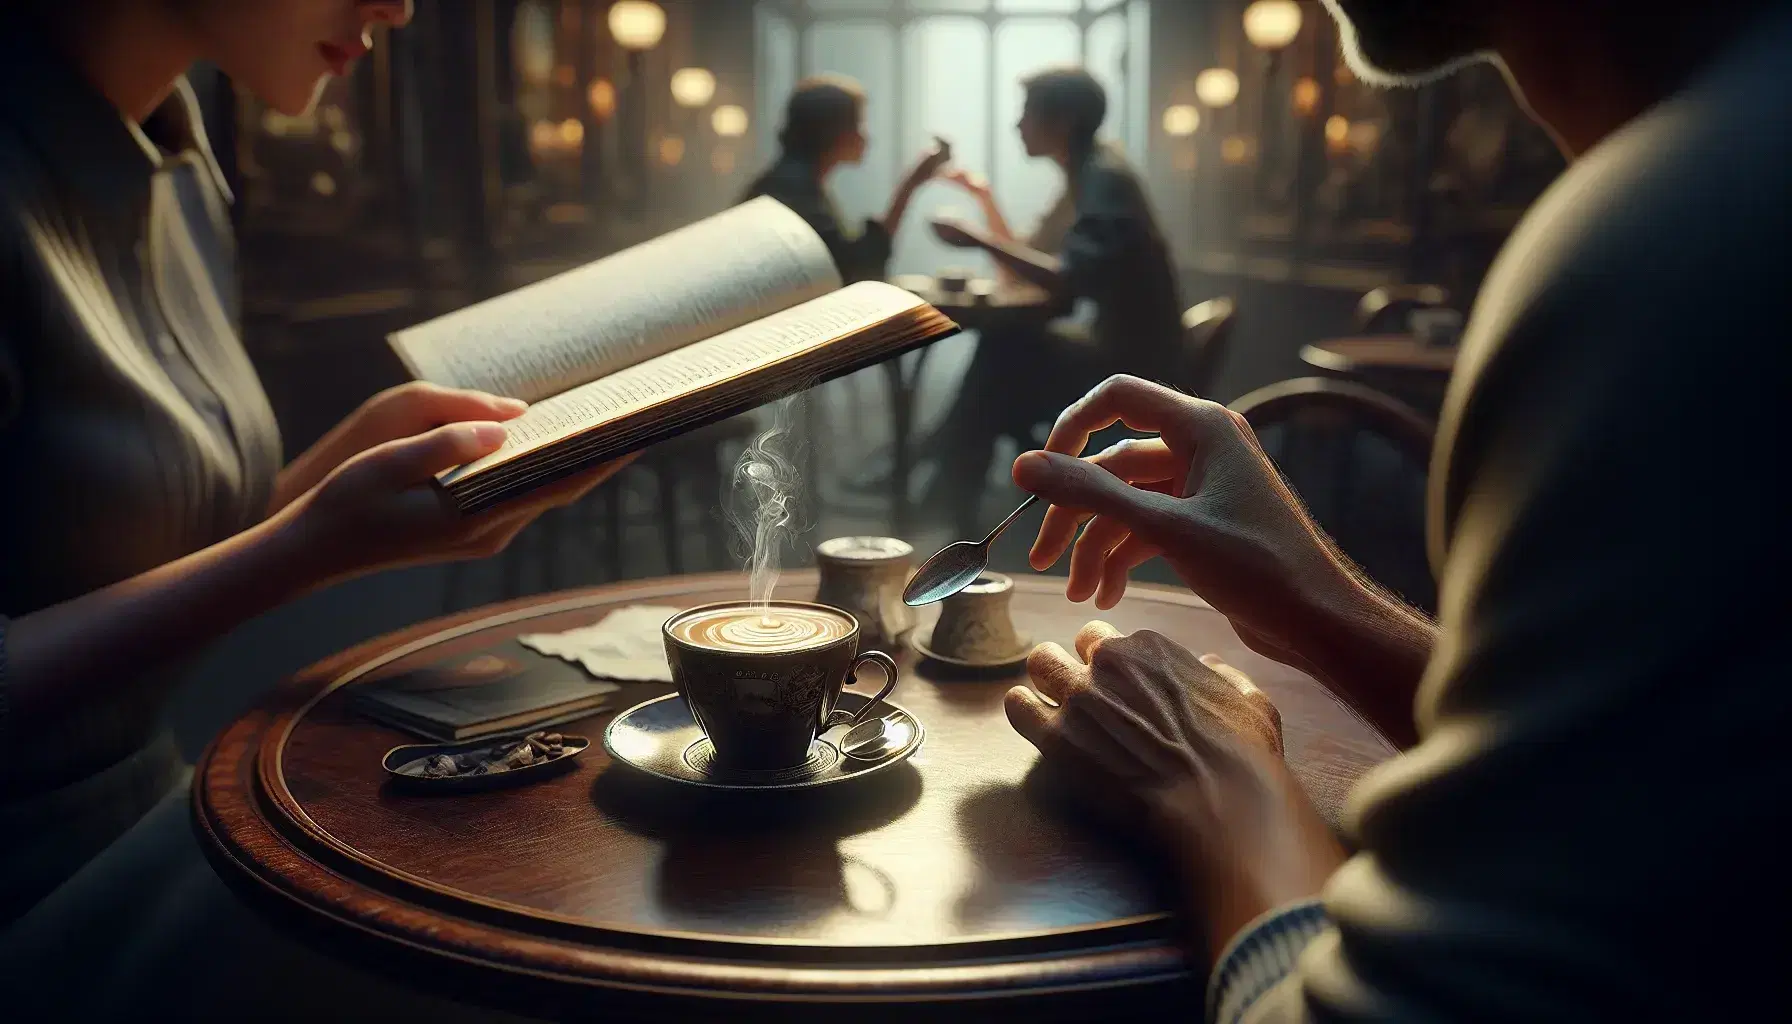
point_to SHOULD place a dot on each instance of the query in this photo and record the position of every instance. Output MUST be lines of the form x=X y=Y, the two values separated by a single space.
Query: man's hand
x=1203 y=495
x=404 y=411
x=976 y=185
x=1196 y=749
x=937 y=154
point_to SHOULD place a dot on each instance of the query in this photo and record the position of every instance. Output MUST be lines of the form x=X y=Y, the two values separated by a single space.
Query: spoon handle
x=1012 y=516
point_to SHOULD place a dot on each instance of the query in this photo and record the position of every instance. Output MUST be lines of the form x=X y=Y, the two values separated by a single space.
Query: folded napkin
x=625 y=645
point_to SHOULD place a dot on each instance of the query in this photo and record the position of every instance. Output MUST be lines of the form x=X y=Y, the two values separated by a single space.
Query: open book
x=676 y=333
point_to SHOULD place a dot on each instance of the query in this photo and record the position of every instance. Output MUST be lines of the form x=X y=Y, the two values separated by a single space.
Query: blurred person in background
x=1100 y=242
x=824 y=130
x=144 y=507
x=1583 y=828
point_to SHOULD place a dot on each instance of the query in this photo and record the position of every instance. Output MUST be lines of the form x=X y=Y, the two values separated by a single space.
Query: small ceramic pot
x=864 y=576
x=976 y=627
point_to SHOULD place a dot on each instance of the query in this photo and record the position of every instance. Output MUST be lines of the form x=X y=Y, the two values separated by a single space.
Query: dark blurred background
x=496 y=142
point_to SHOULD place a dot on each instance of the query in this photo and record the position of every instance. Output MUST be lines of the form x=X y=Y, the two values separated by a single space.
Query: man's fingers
x=1101 y=536
x=1138 y=403
x=1083 y=486
x=1230 y=674
x=1139 y=460
x=1092 y=636
x=1055 y=673
x=1032 y=717
x=1126 y=556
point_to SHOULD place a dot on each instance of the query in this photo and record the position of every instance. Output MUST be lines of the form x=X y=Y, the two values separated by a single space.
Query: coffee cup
x=763 y=680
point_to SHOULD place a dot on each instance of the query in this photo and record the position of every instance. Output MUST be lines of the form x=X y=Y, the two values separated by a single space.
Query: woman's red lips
x=341 y=57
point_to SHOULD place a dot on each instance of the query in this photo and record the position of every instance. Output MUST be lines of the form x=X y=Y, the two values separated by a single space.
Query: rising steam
x=766 y=487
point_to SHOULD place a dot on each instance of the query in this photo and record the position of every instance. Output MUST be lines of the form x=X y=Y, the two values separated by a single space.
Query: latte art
x=748 y=628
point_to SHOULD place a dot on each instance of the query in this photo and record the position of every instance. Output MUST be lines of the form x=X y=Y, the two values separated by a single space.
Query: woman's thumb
x=411 y=460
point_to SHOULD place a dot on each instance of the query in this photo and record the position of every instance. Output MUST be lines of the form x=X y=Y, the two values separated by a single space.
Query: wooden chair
x=1206 y=341
x=1359 y=460
x=1384 y=310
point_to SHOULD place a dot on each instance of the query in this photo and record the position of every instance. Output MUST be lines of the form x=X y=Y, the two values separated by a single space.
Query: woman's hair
x=821 y=109
x=1071 y=97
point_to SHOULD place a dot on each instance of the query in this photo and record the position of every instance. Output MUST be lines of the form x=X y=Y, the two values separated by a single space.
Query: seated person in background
x=1109 y=250
x=824 y=128
x=1584 y=828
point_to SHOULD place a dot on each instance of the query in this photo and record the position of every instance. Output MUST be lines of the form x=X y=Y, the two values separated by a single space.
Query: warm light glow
x=333 y=117
x=602 y=96
x=323 y=184
x=1235 y=150
x=722 y=161
x=729 y=121
x=572 y=133
x=564 y=76
x=1216 y=87
x=342 y=142
x=1272 y=24
x=1306 y=95
x=566 y=213
x=671 y=150
x=544 y=138
x=1364 y=136
x=1337 y=129
x=637 y=24
x=1181 y=120
x=692 y=87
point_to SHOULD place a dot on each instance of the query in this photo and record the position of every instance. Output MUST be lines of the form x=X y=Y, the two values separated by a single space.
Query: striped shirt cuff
x=1259 y=956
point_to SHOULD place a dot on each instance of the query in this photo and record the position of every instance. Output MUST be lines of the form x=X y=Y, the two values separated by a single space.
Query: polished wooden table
x=1381 y=353
x=986 y=307
x=1401 y=364
x=961 y=881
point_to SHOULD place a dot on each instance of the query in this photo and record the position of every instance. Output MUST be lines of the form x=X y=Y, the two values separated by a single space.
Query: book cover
x=482 y=693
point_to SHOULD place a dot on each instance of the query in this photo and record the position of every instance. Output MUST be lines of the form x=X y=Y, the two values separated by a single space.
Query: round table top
x=962 y=877
x=1381 y=353
x=996 y=305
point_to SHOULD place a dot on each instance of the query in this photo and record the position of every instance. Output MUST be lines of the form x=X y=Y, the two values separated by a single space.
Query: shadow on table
x=760 y=863
x=1038 y=841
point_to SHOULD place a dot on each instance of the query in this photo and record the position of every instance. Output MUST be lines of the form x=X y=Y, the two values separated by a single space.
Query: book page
x=743 y=350
x=730 y=269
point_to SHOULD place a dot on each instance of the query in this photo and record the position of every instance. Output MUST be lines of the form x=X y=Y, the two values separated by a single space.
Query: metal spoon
x=877 y=738
x=957 y=565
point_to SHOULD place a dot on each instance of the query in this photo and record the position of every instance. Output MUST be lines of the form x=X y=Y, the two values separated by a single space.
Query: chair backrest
x=1206 y=339
x=1384 y=310
x=1359 y=460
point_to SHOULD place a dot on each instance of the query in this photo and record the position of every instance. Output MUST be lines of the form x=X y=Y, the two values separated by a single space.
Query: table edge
x=238 y=840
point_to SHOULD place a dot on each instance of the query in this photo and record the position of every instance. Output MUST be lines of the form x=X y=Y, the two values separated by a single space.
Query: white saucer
x=661 y=738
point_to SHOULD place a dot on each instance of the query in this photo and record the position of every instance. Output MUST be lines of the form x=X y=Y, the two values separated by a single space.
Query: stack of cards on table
x=625 y=646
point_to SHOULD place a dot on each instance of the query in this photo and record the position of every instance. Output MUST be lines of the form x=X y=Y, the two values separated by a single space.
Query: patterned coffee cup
x=762 y=709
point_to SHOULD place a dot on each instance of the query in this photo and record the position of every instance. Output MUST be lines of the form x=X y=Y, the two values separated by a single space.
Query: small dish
x=920 y=639
x=661 y=738
x=398 y=757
